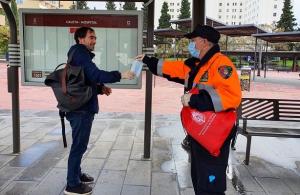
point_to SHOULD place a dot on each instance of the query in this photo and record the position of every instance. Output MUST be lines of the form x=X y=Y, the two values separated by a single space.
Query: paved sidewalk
x=114 y=158
x=114 y=155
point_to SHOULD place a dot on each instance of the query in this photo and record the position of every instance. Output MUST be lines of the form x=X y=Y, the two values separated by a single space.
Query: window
x=275 y=6
x=171 y=10
x=171 y=4
x=220 y=10
x=241 y=10
x=227 y=10
x=172 y=16
x=220 y=4
x=240 y=17
x=220 y=17
x=274 y=14
x=241 y=4
x=228 y=4
x=178 y=4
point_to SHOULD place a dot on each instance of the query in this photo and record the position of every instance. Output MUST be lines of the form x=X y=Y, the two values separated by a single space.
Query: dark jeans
x=81 y=124
x=209 y=172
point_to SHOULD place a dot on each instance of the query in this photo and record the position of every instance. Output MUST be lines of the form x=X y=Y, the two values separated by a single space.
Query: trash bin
x=245 y=78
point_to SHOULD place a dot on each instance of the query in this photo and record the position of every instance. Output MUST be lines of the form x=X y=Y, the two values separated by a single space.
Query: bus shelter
x=239 y=31
x=280 y=37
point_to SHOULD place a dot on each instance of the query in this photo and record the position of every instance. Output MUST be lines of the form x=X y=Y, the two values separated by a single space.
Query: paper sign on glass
x=136 y=67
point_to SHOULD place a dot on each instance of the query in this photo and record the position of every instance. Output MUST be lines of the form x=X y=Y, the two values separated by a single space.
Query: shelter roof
x=169 y=33
x=239 y=30
x=279 y=37
x=187 y=22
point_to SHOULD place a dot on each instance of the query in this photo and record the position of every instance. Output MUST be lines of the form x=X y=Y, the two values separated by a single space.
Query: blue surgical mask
x=193 y=51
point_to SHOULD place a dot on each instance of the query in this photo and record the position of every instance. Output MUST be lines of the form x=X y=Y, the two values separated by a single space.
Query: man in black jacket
x=81 y=120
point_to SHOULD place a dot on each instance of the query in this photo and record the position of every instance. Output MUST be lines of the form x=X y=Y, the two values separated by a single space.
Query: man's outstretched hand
x=127 y=75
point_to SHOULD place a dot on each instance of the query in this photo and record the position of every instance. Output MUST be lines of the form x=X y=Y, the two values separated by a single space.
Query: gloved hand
x=140 y=57
x=185 y=99
x=127 y=75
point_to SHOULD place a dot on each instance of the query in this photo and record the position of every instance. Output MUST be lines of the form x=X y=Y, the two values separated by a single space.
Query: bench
x=267 y=110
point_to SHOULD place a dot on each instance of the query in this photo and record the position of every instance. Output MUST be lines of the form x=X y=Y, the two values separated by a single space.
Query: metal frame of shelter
x=238 y=31
x=187 y=22
x=14 y=64
x=279 y=37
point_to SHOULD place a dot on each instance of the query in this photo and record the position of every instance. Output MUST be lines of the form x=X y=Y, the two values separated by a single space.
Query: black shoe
x=86 y=179
x=80 y=189
x=186 y=144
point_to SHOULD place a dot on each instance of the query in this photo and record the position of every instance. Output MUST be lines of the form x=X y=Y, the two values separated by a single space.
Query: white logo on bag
x=198 y=117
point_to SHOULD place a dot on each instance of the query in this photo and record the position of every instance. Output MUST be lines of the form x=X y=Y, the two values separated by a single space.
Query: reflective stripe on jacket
x=225 y=92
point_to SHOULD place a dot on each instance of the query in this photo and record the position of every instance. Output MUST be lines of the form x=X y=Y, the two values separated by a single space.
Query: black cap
x=206 y=32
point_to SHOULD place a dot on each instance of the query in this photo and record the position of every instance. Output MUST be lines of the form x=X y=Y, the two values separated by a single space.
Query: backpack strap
x=64 y=74
x=63 y=131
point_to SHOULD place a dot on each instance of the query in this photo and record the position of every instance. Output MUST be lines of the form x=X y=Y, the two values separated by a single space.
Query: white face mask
x=192 y=49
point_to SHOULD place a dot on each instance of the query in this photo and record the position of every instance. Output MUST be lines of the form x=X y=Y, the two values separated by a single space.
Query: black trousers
x=209 y=172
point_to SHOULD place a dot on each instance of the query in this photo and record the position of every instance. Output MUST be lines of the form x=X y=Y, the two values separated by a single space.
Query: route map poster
x=47 y=35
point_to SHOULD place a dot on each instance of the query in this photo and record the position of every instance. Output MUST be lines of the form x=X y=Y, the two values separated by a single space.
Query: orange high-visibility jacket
x=218 y=77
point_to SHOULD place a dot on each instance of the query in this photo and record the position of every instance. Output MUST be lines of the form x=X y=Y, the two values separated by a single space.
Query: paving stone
x=63 y=163
x=129 y=128
x=187 y=191
x=255 y=193
x=274 y=185
x=113 y=164
x=139 y=137
x=161 y=153
x=38 y=170
x=164 y=184
x=56 y=178
x=123 y=143
x=138 y=173
x=111 y=177
x=8 y=173
x=4 y=159
x=135 y=190
x=289 y=177
x=259 y=169
x=137 y=151
x=100 y=149
x=92 y=163
x=18 y=188
x=107 y=189
x=2 y=148
x=109 y=135
x=32 y=154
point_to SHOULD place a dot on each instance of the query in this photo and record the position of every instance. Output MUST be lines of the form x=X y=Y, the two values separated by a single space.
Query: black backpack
x=70 y=89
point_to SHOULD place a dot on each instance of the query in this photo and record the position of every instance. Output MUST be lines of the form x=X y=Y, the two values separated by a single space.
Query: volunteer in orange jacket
x=219 y=90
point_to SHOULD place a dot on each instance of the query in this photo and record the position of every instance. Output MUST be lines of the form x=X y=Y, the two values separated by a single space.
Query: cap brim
x=190 y=35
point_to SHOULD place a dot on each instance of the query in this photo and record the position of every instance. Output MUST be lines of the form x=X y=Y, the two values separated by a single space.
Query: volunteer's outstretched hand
x=127 y=75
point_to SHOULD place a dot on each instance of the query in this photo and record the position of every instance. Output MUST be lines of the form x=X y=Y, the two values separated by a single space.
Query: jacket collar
x=92 y=55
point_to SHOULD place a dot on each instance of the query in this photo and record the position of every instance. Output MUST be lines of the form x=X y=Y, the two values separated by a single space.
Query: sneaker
x=86 y=178
x=80 y=189
x=186 y=145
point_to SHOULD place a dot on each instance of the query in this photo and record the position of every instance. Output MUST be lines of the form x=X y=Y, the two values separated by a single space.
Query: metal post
x=226 y=45
x=148 y=98
x=14 y=76
x=255 y=59
x=265 y=73
x=198 y=13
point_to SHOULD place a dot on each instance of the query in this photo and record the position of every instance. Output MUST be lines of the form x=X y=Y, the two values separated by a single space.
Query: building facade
x=44 y=4
x=231 y=12
x=236 y=12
